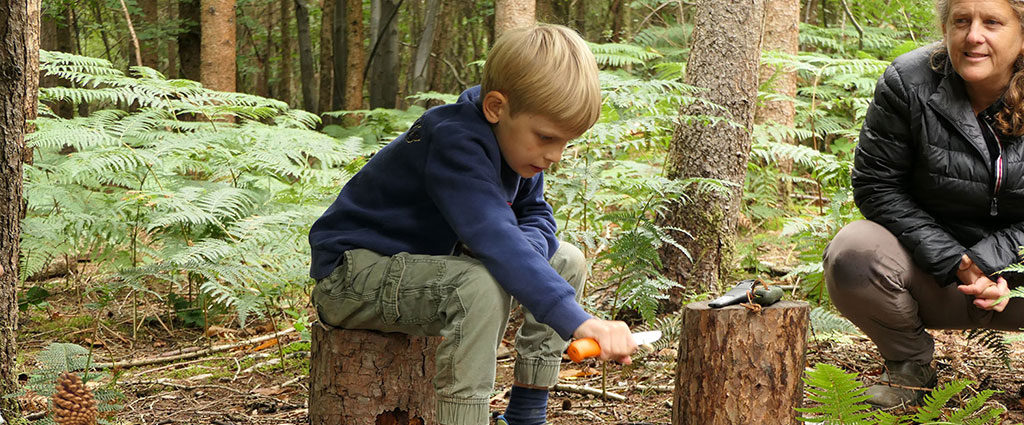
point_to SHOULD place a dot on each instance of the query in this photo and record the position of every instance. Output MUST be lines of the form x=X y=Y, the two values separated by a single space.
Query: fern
x=993 y=340
x=826 y=321
x=839 y=395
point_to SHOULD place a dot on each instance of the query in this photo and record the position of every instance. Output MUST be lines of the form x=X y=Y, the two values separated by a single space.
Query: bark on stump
x=737 y=366
x=370 y=378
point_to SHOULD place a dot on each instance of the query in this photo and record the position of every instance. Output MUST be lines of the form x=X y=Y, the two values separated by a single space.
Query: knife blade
x=584 y=348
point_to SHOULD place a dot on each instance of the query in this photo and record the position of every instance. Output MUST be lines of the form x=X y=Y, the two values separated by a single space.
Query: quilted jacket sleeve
x=881 y=180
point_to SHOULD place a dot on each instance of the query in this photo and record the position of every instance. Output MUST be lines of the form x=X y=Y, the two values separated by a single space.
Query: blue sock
x=527 y=406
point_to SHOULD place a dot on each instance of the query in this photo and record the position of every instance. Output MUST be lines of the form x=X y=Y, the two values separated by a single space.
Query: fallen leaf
x=215 y=330
x=269 y=390
x=578 y=373
x=265 y=345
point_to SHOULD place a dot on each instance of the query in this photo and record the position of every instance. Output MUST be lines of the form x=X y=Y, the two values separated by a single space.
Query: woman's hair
x=1009 y=120
x=547 y=70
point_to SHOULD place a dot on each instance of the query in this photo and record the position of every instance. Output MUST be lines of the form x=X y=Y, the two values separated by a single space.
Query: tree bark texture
x=326 y=85
x=383 y=73
x=284 y=75
x=781 y=33
x=305 y=56
x=149 y=42
x=420 y=73
x=366 y=378
x=217 y=71
x=189 y=41
x=726 y=36
x=737 y=366
x=510 y=14
x=19 y=76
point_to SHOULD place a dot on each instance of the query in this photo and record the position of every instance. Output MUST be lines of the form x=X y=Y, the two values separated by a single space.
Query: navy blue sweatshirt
x=444 y=181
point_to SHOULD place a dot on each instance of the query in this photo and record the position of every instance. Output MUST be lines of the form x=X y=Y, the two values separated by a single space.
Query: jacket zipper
x=994 y=209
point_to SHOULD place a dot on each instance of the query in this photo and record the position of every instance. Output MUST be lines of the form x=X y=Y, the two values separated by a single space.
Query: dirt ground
x=250 y=386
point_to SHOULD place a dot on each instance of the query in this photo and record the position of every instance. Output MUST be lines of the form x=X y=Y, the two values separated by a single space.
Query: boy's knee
x=570 y=262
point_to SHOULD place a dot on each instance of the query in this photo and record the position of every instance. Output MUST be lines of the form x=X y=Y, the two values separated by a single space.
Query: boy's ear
x=494 y=101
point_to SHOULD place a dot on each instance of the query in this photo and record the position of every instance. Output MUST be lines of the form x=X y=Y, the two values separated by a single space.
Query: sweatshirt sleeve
x=462 y=178
x=535 y=216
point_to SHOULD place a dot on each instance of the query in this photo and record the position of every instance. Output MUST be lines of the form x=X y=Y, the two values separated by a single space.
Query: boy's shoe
x=906 y=374
x=500 y=420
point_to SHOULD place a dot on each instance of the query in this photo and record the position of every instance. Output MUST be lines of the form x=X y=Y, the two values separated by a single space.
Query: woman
x=939 y=175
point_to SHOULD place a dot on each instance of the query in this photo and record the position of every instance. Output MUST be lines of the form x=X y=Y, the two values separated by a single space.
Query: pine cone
x=73 y=403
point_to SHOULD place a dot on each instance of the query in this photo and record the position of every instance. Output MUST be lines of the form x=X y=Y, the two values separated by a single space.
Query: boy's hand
x=984 y=289
x=613 y=336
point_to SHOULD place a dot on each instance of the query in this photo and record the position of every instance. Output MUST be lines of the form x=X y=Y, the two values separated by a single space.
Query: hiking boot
x=500 y=420
x=902 y=374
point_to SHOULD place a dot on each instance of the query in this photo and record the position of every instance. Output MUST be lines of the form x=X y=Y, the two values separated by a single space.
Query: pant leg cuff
x=537 y=372
x=460 y=411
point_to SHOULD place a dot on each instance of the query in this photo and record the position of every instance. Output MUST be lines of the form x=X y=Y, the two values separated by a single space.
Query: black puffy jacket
x=922 y=169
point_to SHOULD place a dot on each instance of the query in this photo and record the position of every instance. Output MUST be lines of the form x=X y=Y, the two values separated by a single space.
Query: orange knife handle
x=583 y=348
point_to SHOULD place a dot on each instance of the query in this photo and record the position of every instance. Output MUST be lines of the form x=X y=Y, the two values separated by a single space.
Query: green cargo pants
x=454 y=297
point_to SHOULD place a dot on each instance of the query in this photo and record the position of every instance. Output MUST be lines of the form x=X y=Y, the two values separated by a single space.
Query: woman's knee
x=861 y=253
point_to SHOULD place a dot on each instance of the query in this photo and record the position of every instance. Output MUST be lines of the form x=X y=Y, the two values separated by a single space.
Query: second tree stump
x=738 y=366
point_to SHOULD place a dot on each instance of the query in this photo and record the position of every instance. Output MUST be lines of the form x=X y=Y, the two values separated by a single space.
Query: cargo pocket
x=410 y=289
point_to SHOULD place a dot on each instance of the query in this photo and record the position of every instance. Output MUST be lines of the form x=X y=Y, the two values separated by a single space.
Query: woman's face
x=984 y=38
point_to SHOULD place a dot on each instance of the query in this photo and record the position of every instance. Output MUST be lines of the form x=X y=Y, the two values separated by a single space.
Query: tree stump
x=738 y=366
x=370 y=378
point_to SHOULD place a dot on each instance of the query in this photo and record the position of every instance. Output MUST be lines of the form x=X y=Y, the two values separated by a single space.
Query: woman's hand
x=612 y=335
x=984 y=290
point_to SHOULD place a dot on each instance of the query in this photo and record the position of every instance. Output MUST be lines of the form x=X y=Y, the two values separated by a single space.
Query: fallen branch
x=656 y=388
x=583 y=389
x=191 y=355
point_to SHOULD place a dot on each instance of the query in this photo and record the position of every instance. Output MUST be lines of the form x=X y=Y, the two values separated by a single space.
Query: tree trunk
x=580 y=19
x=781 y=33
x=420 y=65
x=149 y=44
x=617 y=16
x=510 y=14
x=340 y=54
x=740 y=367
x=284 y=76
x=263 y=73
x=172 y=46
x=366 y=378
x=189 y=41
x=438 y=69
x=305 y=56
x=356 y=61
x=383 y=54
x=726 y=36
x=56 y=35
x=218 y=48
x=326 y=56
x=19 y=77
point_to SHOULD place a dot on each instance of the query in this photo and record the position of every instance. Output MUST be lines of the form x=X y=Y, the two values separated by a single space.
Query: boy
x=446 y=225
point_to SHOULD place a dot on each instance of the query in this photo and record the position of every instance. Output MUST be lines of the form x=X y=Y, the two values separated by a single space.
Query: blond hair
x=546 y=70
x=1010 y=119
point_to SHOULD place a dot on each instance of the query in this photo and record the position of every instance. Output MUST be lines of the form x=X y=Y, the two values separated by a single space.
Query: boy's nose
x=553 y=155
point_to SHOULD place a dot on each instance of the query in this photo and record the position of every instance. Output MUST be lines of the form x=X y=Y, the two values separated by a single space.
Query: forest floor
x=249 y=384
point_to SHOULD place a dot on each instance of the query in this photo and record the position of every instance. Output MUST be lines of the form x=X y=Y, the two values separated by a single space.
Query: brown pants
x=874 y=282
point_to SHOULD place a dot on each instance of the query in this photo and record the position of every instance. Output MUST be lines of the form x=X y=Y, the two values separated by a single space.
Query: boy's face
x=530 y=143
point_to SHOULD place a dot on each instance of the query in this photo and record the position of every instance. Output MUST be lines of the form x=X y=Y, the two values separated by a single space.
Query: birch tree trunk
x=305 y=56
x=217 y=70
x=726 y=36
x=510 y=14
x=421 y=71
x=19 y=79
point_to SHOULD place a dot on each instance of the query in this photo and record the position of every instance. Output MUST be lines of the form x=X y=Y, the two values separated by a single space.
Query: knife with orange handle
x=585 y=348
